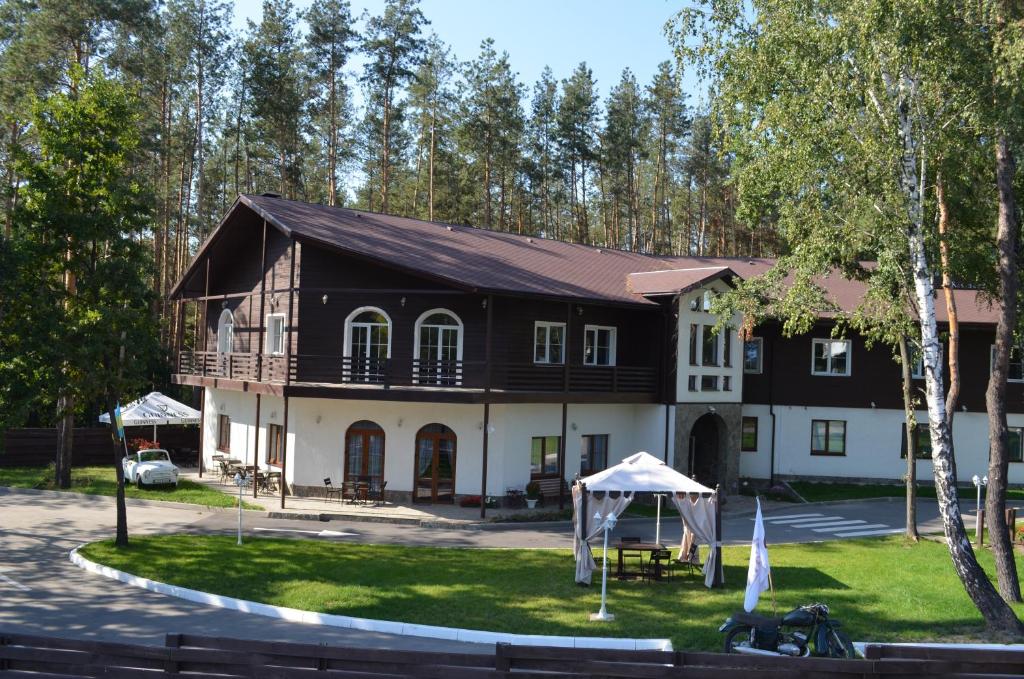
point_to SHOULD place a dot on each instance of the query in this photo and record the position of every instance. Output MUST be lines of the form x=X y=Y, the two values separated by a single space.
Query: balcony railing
x=387 y=373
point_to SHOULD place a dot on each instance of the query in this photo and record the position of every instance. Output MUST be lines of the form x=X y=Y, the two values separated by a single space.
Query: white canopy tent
x=155 y=409
x=639 y=473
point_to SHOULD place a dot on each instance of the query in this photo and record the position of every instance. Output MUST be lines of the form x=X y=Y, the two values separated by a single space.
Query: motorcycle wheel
x=840 y=645
x=736 y=637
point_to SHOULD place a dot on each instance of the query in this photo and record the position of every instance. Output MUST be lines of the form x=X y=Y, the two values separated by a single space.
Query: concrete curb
x=365 y=624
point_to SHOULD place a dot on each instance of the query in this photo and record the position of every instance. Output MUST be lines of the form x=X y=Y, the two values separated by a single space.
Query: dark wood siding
x=786 y=377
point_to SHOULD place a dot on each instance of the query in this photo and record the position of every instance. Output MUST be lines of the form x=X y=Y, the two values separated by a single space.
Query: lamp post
x=240 y=482
x=609 y=524
x=978 y=483
x=657 y=526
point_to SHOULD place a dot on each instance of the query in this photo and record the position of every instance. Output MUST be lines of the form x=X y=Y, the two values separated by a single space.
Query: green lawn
x=102 y=481
x=822 y=492
x=882 y=589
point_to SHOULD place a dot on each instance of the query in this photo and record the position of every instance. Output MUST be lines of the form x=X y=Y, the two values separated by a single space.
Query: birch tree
x=834 y=110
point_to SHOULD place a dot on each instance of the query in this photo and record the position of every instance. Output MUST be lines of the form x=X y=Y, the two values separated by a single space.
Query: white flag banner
x=758 y=571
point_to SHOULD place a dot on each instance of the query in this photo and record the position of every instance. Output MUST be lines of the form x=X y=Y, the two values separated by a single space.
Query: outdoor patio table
x=638 y=547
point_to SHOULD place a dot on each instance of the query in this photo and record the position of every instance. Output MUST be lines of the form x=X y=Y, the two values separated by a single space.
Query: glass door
x=364 y=453
x=435 y=463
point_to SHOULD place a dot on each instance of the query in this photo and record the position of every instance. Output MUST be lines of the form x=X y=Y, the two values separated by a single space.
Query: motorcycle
x=804 y=631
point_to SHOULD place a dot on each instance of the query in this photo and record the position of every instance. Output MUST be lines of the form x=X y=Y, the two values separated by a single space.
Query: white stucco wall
x=873 y=444
x=316 y=435
x=688 y=316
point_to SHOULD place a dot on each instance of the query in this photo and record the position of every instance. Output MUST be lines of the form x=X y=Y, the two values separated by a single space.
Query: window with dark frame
x=694 y=332
x=923 y=439
x=224 y=433
x=1015 y=439
x=748 y=435
x=594 y=454
x=544 y=455
x=1015 y=372
x=275 y=444
x=752 y=350
x=709 y=353
x=727 y=348
x=828 y=437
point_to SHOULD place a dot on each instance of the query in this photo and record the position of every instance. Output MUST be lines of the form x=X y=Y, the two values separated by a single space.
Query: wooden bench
x=549 y=489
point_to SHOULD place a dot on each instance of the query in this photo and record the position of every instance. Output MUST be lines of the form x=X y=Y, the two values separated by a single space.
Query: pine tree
x=329 y=44
x=393 y=48
x=623 y=149
x=542 y=163
x=577 y=130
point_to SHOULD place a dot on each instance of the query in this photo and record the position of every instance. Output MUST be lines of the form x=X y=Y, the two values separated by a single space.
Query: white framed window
x=753 y=351
x=367 y=342
x=225 y=332
x=1016 y=367
x=830 y=357
x=438 y=336
x=702 y=302
x=548 y=342
x=598 y=345
x=917 y=371
x=275 y=335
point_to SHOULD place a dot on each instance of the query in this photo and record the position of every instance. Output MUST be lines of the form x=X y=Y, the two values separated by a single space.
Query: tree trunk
x=997 y=613
x=121 y=536
x=911 y=433
x=332 y=142
x=953 y=396
x=1007 y=237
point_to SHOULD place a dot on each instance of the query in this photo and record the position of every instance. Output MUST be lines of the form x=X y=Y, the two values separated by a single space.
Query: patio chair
x=691 y=561
x=638 y=557
x=330 y=491
x=376 y=493
x=659 y=565
x=349 y=491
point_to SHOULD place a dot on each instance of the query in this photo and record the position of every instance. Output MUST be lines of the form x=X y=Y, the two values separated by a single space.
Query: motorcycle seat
x=755 y=620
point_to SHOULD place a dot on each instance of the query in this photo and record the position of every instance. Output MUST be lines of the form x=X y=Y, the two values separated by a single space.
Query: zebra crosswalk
x=839 y=526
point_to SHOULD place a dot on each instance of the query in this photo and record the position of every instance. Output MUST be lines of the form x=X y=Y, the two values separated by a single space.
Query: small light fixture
x=324 y=299
x=318 y=419
x=484 y=303
x=579 y=310
x=224 y=304
x=490 y=429
x=873 y=405
x=402 y=302
x=711 y=409
x=963 y=408
x=400 y=421
x=574 y=427
x=273 y=415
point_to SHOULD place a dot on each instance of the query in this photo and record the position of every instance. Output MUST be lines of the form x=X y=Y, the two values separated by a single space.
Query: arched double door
x=364 y=453
x=435 y=464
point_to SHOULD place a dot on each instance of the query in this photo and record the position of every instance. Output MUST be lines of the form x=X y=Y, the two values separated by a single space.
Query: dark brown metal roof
x=504 y=263
x=478 y=259
x=674 y=281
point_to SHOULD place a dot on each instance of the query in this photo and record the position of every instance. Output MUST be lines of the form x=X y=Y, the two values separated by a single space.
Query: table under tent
x=155 y=409
x=611 y=491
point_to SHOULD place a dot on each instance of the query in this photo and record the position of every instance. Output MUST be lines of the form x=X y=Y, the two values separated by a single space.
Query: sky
x=609 y=35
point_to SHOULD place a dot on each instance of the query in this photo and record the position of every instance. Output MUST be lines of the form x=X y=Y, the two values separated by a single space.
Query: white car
x=149 y=468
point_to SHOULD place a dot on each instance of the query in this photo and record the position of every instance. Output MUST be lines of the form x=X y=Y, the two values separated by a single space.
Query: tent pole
x=256 y=450
x=583 y=510
x=657 y=526
x=719 y=578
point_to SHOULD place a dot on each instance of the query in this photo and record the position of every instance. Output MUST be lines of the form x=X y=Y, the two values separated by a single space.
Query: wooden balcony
x=638 y=383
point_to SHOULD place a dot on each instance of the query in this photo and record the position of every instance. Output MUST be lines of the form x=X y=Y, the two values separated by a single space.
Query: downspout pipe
x=771 y=409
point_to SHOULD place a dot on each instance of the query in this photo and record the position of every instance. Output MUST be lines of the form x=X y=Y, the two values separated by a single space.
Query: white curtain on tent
x=698 y=525
x=585 y=565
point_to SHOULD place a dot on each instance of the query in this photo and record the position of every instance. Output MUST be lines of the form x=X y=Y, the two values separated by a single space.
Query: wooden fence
x=91 y=446
x=35 y=657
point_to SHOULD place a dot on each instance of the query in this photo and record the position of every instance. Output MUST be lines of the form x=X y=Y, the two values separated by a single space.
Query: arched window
x=435 y=463
x=438 y=348
x=364 y=453
x=225 y=332
x=367 y=344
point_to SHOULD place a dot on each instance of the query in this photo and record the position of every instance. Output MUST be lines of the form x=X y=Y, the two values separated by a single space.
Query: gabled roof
x=676 y=281
x=468 y=257
x=480 y=260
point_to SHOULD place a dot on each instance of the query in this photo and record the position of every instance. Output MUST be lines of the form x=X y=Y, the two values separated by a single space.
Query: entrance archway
x=707 y=447
x=435 y=464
